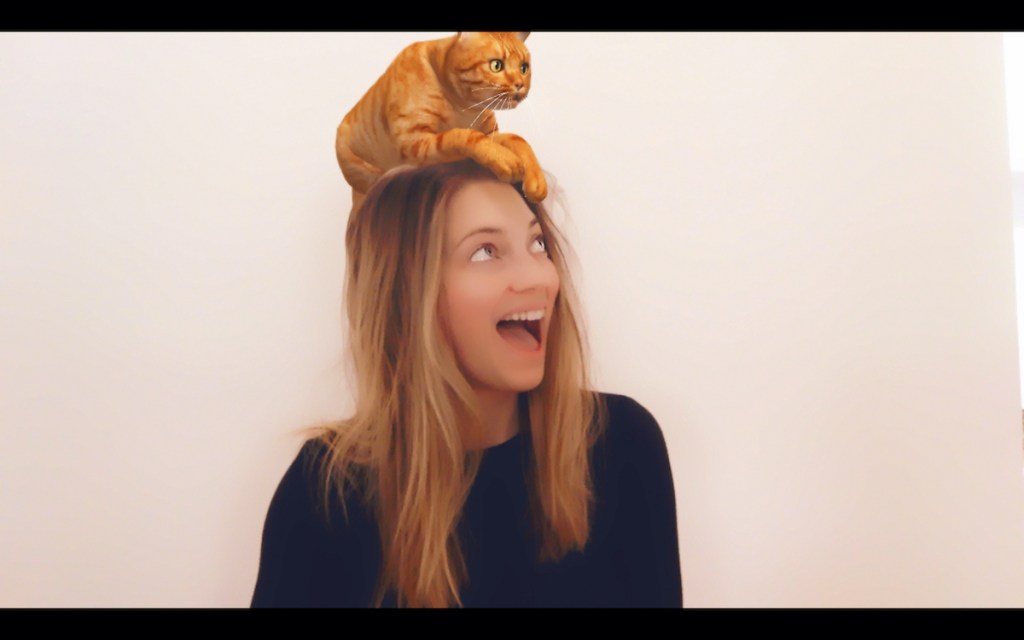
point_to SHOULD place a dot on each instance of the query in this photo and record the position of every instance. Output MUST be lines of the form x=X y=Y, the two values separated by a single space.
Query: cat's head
x=490 y=69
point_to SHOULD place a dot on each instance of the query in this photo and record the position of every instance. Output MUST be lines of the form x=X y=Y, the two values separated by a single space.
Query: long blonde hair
x=402 y=451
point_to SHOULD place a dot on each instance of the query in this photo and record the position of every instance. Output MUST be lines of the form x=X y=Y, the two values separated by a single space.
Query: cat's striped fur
x=436 y=103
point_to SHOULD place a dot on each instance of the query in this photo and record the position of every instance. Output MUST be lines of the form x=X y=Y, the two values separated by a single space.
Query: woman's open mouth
x=525 y=334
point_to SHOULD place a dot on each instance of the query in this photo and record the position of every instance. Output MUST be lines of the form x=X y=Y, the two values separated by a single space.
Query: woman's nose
x=531 y=271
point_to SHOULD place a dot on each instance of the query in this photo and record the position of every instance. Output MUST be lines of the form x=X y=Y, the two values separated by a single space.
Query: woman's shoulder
x=297 y=489
x=629 y=422
x=631 y=440
x=313 y=553
x=311 y=455
x=305 y=464
x=636 y=505
x=307 y=486
x=307 y=499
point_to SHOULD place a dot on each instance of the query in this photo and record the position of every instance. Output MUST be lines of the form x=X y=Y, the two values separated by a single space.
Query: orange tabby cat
x=436 y=103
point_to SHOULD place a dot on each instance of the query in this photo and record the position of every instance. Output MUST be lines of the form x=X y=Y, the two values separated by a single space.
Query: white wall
x=1013 y=71
x=795 y=250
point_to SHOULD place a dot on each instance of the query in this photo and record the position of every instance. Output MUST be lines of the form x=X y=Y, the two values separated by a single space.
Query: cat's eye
x=523 y=68
x=497 y=65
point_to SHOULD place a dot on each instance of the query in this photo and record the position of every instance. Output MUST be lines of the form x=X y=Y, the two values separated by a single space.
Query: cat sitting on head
x=436 y=103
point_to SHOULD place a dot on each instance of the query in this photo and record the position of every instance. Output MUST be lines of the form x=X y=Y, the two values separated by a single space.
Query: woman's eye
x=488 y=252
x=479 y=252
x=497 y=65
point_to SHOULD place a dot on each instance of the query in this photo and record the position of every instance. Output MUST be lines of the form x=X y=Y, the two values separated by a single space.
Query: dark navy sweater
x=630 y=560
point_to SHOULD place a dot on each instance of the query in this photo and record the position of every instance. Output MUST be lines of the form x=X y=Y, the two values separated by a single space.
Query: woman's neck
x=501 y=413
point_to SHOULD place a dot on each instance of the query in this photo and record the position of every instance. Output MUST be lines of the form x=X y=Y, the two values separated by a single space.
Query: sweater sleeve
x=654 y=574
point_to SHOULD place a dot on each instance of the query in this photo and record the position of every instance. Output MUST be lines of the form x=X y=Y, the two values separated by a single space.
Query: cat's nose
x=519 y=86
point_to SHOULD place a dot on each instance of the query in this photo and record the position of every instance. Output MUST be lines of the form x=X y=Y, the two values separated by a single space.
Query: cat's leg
x=359 y=173
x=424 y=147
x=535 y=186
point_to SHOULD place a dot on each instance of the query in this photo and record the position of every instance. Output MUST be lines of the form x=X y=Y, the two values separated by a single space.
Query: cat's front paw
x=505 y=164
x=535 y=186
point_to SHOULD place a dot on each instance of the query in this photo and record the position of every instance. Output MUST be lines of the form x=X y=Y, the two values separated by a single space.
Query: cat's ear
x=522 y=35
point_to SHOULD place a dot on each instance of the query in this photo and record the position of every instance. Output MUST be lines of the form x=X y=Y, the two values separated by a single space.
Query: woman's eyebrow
x=491 y=230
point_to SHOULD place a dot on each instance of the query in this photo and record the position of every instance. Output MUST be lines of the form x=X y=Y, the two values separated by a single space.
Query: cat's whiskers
x=490 y=99
x=484 y=110
x=505 y=99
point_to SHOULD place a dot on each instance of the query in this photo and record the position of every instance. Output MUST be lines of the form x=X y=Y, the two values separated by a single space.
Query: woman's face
x=496 y=265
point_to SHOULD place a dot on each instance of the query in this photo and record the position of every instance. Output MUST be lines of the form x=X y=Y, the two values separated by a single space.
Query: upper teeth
x=525 y=315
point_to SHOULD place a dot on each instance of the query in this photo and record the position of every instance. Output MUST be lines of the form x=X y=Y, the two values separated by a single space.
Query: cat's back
x=409 y=87
x=411 y=70
x=421 y=54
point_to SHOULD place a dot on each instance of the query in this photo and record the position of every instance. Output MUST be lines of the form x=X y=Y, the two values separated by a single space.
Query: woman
x=478 y=469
